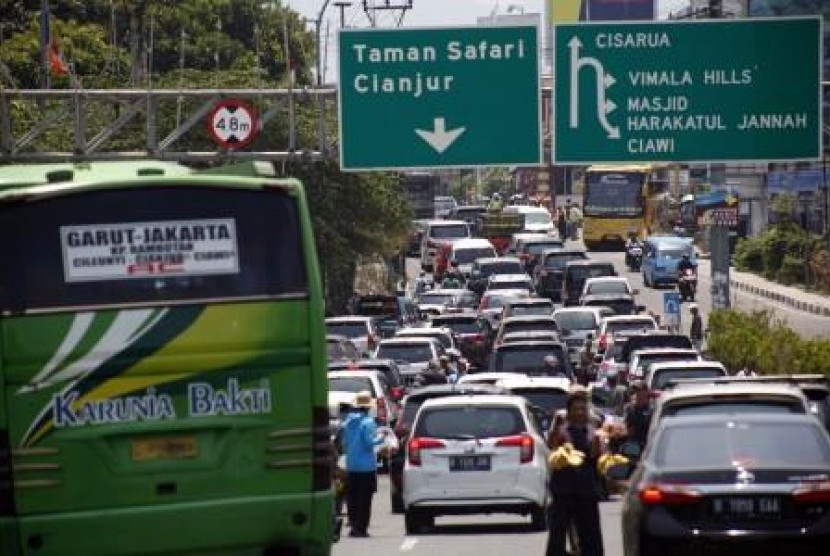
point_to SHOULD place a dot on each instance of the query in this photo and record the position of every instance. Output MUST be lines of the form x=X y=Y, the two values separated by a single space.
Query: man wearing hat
x=554 y=367
x=696 y=330
x=575 y=487
x=359 y=440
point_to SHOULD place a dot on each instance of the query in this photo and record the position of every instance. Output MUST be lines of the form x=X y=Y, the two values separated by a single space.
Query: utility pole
x=342 y=5
x=318 y=24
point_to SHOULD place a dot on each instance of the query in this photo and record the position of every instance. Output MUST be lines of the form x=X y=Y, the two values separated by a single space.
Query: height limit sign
x=233 y=124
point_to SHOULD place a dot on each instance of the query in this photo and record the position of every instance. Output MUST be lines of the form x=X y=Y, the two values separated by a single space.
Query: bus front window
x=614 y=194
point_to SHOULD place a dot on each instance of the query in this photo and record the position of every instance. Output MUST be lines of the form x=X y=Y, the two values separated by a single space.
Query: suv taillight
x=371 y=342
x=524 y=442
x=667 y=495
x=812 y=493
x=603 y=342
x=7 y=506
x=417 y=445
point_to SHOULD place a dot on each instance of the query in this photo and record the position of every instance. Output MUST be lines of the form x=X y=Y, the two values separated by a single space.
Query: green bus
x=162 y=363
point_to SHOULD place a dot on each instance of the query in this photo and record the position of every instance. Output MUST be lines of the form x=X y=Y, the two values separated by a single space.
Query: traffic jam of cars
x=471 y=367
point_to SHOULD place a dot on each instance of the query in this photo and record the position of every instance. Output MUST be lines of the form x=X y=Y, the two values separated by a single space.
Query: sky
x=425 y=13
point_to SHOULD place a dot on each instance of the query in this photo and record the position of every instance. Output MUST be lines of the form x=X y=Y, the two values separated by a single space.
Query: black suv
x=548 y=274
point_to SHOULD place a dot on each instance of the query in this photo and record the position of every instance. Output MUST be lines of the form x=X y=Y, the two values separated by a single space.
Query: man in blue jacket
x=359 y=440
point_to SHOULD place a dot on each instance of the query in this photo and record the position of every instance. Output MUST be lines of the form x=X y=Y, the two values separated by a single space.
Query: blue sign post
x=671 y=309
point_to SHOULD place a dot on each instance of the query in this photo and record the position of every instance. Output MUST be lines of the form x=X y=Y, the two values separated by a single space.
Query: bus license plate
x=470 y=463
x=175 y=447
x=744 y=507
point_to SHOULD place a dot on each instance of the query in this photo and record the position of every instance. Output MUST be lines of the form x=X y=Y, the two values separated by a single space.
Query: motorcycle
x=634 y=258
x=687 y=284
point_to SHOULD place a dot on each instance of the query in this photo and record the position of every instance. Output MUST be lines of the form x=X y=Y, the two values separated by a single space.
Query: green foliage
x=769 y=346
x=782 y=253
x=207 y=44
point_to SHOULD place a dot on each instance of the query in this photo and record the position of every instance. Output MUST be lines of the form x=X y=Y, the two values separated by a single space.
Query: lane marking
x=408 y=544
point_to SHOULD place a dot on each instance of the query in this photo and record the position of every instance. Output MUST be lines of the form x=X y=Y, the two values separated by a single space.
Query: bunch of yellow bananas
x=607 y=461
x=564 y=456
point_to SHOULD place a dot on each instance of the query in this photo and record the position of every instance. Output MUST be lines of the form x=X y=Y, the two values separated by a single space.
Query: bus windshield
x=615 y=194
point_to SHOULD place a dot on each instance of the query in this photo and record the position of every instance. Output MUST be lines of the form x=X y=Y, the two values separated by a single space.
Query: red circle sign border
x=240 y=104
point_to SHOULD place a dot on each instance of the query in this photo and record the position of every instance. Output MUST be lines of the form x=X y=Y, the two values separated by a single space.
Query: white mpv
x=475 y=455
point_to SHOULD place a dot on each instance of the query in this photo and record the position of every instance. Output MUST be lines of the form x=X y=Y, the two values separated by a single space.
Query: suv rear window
x=763 y=444
x=523 y=359
x=628 y=326
x=470 y=422
x=408 y=353
x=350 y=384
x=460 y=326
x=510 y=267
x=348 y=329
x=452 y=231
x=149 y=245
x=532 y=326
x=549 y=399
x=644 y=361
x=558 y=261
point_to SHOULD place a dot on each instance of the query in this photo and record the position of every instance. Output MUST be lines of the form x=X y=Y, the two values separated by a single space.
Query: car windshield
x=629 y=326
x=551 y=400
x=576 y=320
x=466 y=326
x=453 y=231
x=645 y=360
x=539 y=248
x=525 y=360
x=537 y=218
x=557 y=262
x=348 y=329
x=408 y=353
x=469 y=255
x=435 y=298
x=735 y=443
x=530 y=310
x=607 y=287
x=734 y=407
x=350 y=384
x=662 y=377
x=470 y=421
x=509 y=267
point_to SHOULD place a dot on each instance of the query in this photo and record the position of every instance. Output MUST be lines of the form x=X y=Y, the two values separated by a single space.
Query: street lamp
x=318 y=23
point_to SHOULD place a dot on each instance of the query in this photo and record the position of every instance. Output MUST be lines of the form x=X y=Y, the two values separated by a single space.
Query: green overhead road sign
x=691 y=91
x=431 y=98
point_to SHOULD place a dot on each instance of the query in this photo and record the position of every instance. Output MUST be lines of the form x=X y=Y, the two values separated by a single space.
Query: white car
x=437 y=233
x=610 y=326
x=362 y=331
x=493 y=303
x=659 y=374
x=436 y=302
x=443 y=335
x=464 y=252
x=500 y=282
x=344 y=386
x=608 y=285
x=641 y=359
x=411 y=354
x=480 y=454
x=537 y=219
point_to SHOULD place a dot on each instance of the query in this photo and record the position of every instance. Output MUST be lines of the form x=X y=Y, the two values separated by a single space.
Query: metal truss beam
x=74 y=109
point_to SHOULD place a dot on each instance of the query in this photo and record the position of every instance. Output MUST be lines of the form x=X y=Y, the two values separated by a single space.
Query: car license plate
x=470 y=463
x=172 y=447
x=746 y=507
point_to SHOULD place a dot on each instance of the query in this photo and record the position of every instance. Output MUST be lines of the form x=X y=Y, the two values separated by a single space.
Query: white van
x=537 y=219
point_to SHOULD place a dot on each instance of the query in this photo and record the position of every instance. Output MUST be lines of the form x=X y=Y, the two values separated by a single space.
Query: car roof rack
x=792 y=380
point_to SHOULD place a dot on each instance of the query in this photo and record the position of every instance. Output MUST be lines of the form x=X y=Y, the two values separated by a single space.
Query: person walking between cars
x=359 y=439
x=554 y=367
x=696 y=330
x=575 y=487
x=449 y=370
x=587 y=363
x=562 y=223
x=637 y=414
